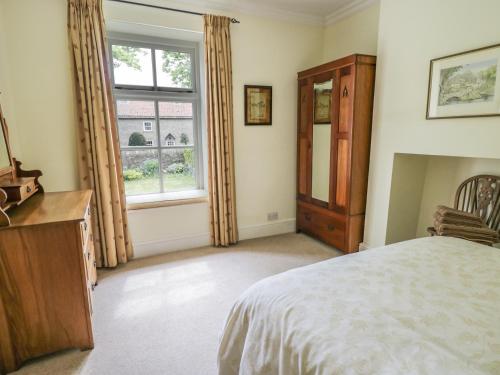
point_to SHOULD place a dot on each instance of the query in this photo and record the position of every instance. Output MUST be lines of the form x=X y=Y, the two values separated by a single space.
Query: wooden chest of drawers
x=47 y=273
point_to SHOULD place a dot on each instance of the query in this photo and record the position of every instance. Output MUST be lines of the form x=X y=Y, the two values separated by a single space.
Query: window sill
x=140 y=202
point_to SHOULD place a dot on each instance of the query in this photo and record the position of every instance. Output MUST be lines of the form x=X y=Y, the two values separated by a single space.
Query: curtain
x=223 y=226
x=99 y=153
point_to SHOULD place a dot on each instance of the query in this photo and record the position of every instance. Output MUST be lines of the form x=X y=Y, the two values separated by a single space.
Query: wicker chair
x=479 y=195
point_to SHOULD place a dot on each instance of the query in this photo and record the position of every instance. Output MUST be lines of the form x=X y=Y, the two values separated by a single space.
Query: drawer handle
x=85 y=226
x=95 y=263
x=92 y=286
x=308 y=217
x=88 y=255
x=331 y=227
x=28 y=189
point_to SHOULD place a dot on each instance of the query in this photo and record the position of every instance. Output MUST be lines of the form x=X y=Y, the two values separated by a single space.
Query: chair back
x=480 y=195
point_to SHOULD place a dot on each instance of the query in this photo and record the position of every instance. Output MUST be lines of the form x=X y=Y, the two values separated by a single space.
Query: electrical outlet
x=271 y=216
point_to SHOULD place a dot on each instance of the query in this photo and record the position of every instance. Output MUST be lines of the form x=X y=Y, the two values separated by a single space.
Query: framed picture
x=258 y=105
x=322 y=106
x=465 y=84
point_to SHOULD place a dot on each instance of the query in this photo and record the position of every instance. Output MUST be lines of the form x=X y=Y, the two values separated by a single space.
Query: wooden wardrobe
x=335 y=102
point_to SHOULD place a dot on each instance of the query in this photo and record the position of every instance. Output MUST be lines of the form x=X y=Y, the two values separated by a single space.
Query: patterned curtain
x=99 y=153
x=219 y=81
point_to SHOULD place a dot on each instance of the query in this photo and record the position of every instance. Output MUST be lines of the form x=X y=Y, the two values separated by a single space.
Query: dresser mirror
x=321 y=139
x=5 y=156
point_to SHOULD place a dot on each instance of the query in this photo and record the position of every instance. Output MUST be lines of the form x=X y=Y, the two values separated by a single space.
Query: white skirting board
x=168 y=245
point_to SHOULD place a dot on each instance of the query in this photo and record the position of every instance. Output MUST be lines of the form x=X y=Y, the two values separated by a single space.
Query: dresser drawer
x=85 y=228
x=323 y=225
x=19 y=189
x=91 y=262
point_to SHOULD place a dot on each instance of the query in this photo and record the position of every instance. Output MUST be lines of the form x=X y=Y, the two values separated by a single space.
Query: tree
x=126 y=55
x=178 y=66
x=184 y=139
x=136 y=139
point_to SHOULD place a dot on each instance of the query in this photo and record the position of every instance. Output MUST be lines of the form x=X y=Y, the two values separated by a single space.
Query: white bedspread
x=426 y=306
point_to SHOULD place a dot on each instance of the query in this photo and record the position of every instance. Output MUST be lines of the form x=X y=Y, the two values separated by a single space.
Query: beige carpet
x=163 y=315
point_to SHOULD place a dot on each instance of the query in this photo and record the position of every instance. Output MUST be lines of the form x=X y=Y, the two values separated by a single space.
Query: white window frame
x=158 y=94
x=149 y=142
x=149 y=127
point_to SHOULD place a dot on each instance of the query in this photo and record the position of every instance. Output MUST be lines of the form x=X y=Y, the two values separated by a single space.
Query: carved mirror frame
x=5 y=133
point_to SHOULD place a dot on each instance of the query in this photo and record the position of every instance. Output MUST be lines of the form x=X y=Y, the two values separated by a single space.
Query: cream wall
x=408 y=179
x=411 y=33
x=355 y=34
x=40 y=91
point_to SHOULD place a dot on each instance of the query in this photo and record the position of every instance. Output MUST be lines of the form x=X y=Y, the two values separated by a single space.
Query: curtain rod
x=233 y=20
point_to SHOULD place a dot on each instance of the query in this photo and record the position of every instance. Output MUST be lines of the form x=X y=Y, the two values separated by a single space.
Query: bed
x=425 y=306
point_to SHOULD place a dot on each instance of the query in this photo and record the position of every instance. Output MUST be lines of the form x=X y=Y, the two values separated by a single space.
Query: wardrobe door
x=304 y=139
x=342 y=139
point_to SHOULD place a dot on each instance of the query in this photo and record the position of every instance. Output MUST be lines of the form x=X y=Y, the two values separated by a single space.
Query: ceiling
x=310 y=11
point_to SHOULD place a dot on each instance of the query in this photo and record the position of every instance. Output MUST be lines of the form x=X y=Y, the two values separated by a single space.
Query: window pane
x=132 y=66
x=176 y=124
x=136 y=123
x=173 y=69
x=141 y=171
x=178 y=169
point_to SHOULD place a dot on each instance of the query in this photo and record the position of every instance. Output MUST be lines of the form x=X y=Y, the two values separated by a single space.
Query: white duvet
x=426 y=306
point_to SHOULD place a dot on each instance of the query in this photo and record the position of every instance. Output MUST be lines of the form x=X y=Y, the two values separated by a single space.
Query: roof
x=146 y=109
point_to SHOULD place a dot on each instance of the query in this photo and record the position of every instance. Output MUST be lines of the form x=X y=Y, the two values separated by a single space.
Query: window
x=170 y=140
x=156 y=89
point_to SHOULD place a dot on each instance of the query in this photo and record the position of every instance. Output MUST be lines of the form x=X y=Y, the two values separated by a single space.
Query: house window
x=156 y=89
x=170 y=140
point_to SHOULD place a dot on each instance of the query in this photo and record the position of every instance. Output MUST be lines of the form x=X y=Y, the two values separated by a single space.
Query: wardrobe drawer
x=323 y=225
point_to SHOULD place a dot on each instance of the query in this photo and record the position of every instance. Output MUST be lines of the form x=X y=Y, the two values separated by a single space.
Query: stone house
x=176 y=129
x=176 y=119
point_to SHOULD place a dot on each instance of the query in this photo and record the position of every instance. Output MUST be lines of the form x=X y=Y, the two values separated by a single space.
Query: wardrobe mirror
x=322 y=127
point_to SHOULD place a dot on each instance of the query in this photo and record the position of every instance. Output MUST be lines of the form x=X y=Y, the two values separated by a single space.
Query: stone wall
x=136 y=159
x=127 y=126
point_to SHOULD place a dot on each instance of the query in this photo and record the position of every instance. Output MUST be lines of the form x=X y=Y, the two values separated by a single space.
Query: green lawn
x=148 y=185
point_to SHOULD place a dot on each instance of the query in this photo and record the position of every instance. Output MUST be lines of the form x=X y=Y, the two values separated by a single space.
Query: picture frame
x=465 y=84
x=322 y=106
x=258 y=105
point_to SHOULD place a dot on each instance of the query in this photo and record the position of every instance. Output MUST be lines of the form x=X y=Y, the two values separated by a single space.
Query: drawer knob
x=28 y=189
x=331 y=227
x=95 y=263
x=307 y=217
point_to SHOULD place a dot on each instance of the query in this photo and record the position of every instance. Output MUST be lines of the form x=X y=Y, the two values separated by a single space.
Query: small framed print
x=258 y=105
x=465 y=84
x=322 y=106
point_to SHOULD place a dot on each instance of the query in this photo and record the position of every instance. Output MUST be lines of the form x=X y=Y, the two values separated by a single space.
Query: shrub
x=150 y=167
x=176 y=168
x=184 y=139
x=132 y=175
x=136 y=139
x=188 y=157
